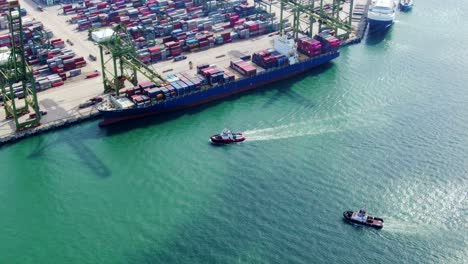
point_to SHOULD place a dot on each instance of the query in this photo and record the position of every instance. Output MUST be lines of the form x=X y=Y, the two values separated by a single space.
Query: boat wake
x=401 y=227
x=310 y=125
x=299 y=129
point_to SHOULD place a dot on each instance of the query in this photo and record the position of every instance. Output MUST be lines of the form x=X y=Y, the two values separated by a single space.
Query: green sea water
x=384 y=126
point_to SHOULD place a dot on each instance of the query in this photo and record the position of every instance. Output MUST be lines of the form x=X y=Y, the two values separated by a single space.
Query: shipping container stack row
x=177 y=20
x=309 y=46
x=17 y=90
x=5 y=41
x=41 y=83
x=4 y=12
x=55 y=55
x=128 y=12
x=328 y=41
x=49 y=81
x=192 y=41
x=175 y=23
x=144 y=16
x=270 y=58
x=179 y=84
x=151 y=54
x=57 y=58
x=51 y=61
x=174 y=48
x=214 y=75
x=245 y=9
x=244 y=67
x=31 y=30
x=247 y=29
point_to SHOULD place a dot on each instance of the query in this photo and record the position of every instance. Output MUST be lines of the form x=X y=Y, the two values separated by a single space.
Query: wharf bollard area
x=62 y=103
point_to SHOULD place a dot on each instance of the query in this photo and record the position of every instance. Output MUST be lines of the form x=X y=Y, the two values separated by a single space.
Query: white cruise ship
x=381 y=14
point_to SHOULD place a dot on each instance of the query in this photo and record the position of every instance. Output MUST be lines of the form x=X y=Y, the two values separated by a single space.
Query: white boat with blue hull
x=406 y=5
x=381 y=14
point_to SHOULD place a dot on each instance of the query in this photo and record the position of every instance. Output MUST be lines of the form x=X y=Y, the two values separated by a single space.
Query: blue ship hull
x=378 y=25
x=217 y=92
x=406 y=7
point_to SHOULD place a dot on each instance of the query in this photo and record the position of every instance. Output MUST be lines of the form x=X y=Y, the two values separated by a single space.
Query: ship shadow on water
x=76 y=142
x=282 y=87
x=377 y=36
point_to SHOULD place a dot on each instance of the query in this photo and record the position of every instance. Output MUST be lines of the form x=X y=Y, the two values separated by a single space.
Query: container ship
x=183 y=90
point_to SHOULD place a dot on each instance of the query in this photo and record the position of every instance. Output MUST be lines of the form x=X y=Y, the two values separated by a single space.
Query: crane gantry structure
x=327 y=13
x=16 y=70
x=123 y=63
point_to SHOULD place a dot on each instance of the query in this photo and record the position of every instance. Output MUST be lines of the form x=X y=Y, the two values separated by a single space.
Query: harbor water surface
x=385 y=126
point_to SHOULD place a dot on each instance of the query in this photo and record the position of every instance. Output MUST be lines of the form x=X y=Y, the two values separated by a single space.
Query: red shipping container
x=66 y=57
x=177 y=25
x=92 y=75
x=57 y=84
x=79 y=59
x=176 y=53
x=154 y=49
x=226 y=36
x=80 y=64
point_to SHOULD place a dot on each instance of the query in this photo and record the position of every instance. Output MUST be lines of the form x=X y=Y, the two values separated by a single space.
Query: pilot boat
x=362 y=218
x=227 y=137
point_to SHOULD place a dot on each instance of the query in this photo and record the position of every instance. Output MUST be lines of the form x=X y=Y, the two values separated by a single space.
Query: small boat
x=362 y=218
x=227 y=137
x=406 y=5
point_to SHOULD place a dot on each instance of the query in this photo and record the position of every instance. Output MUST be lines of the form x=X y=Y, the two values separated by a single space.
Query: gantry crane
x=326 y=12
x=123 y=63
x=16 y=70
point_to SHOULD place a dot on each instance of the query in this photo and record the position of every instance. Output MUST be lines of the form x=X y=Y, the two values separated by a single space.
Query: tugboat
x=227 y=137
x=362 y=218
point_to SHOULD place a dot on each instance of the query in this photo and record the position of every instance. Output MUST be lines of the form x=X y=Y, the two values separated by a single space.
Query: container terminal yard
x=225 y=32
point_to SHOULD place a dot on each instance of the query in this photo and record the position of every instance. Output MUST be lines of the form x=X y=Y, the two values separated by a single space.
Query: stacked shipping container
x=212 y=73
x=178 y=20
x=243 y=67
x=309 y=46
x=329 y=42
x=179 y=85
x=56 y=59
x=270 y=58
